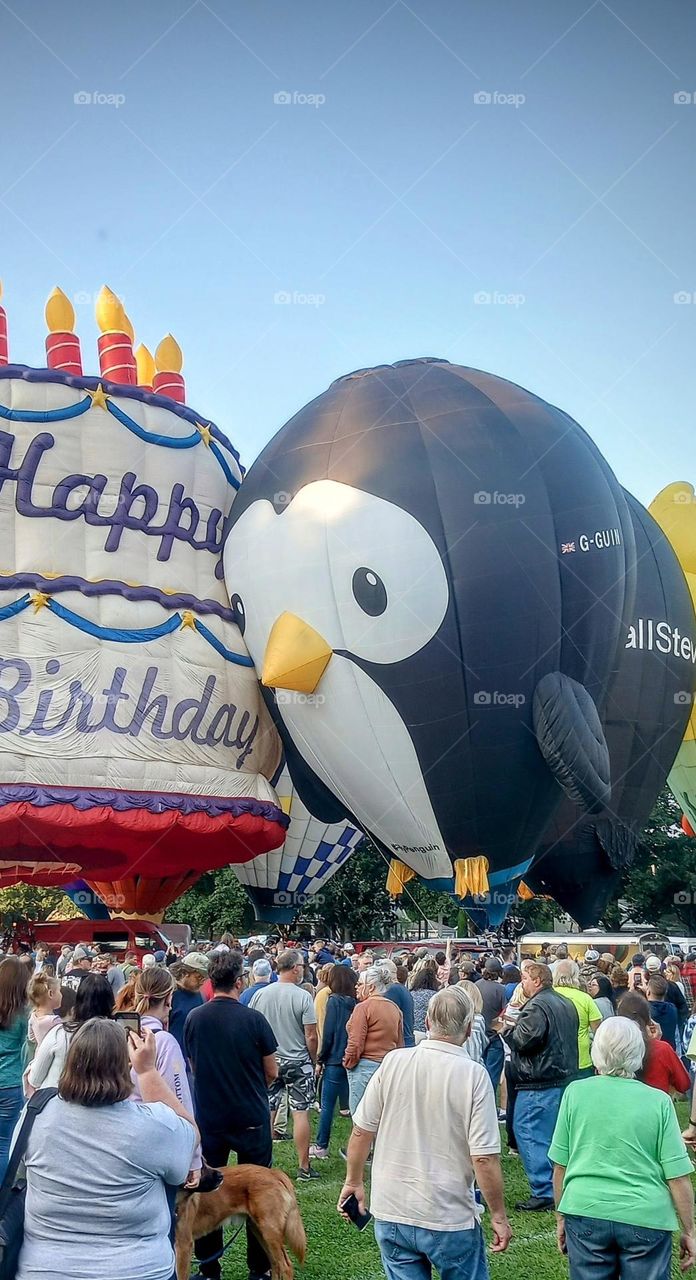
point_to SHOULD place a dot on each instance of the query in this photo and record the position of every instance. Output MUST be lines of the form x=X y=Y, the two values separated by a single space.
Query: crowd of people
x=175 y=1060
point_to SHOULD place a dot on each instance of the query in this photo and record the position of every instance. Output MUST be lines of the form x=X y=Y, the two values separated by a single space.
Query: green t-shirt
x=587 y=1012
x=619 y=1142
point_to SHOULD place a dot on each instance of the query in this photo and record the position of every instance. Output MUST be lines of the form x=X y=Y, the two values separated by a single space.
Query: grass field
x=336 y=1251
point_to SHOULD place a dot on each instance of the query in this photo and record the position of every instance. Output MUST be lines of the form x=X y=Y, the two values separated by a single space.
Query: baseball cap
x=83 y=953
x=196 y=960
x=159 y=956
x=591 y=955
x=493 y=964
x=653 y=964
x=262 y=969
x=348 y=948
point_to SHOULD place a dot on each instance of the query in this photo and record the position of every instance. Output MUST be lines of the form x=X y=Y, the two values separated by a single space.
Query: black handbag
x=14 y=1189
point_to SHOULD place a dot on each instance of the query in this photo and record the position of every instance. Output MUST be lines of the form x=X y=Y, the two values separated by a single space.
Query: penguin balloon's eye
x=238 y=611
x=369 y=591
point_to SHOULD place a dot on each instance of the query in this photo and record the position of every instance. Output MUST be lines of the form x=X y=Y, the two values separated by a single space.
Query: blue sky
x=383 y=210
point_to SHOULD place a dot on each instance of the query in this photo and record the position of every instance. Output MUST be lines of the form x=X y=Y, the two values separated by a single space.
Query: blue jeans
x=599 y=1250
x=11 y=1103
x=409 y=1253
x=334 y=1082
x=358 y=1079
x=493 y=1060
x=536 y=1111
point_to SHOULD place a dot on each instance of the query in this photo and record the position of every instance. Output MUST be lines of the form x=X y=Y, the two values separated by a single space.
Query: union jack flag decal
x=567 y=547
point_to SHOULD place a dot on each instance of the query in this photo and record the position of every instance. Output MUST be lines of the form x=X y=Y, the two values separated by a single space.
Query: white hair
x=377 y=976
x=566 y=974
x=450 y=1014
x=390 y=968
x=618 y=1048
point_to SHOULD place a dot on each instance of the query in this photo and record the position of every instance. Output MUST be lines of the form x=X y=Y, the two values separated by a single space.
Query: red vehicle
x=120 y=936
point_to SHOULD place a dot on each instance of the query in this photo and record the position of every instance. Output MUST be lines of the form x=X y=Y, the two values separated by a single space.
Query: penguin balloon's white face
x=361 y=571
x=340 y=574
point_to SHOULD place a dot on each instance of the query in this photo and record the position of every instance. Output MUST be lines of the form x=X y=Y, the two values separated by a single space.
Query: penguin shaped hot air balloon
x=433 y=570
x=582 y=855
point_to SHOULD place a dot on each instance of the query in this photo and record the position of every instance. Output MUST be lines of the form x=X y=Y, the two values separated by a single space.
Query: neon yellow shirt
x=587 y=1012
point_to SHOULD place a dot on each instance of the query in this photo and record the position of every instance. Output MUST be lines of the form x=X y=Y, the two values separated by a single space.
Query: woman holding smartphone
x=154 y=989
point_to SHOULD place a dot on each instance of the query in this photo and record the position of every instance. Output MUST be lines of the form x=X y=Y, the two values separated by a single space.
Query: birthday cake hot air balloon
x=135 y=749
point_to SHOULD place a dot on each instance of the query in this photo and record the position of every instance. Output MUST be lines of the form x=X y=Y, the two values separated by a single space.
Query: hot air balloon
x=134 y=744
x=582 y=856
x=674 y=508
x=434 y=571
x=282 y=882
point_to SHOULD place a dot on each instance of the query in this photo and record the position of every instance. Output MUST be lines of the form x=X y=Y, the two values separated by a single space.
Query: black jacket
x=544 y=1042
x=334 y=1039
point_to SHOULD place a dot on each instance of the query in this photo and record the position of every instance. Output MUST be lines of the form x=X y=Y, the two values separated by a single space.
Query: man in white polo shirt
x=432 y=1115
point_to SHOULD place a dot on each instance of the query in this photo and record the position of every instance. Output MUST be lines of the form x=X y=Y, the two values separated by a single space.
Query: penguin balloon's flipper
x=571 y=740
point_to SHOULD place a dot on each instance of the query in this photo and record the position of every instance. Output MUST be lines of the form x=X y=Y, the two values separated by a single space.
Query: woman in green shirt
x=621 y=1168
x=14 y=976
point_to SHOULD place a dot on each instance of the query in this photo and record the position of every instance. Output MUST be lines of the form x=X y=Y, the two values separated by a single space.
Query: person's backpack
x=14 y=1189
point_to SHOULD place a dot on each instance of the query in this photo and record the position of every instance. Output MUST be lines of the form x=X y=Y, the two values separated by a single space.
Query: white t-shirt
x=432 y=1109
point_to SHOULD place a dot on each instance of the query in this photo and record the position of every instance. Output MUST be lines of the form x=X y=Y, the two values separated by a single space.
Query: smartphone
x=352 y=1208
x=130 y=1021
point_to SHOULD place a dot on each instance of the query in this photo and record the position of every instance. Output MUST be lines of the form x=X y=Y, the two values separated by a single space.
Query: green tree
x=660 y=887
x=30 y=902
x=215 y=904
x=355 y=902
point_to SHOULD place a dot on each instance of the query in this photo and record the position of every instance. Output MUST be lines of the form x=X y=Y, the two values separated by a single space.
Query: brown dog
x=265 y=1196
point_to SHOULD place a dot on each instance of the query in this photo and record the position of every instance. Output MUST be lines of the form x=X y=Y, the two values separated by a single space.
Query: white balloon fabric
x=282 y=882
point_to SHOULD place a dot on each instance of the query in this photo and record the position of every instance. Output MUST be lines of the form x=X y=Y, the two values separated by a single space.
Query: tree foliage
x=660 y=887
x=355 y=902
x=215 y=904
x=29 y=901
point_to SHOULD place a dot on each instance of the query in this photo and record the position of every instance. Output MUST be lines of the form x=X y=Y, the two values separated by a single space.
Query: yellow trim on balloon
x=399 y=876
x=471 y=876
x=524 y=892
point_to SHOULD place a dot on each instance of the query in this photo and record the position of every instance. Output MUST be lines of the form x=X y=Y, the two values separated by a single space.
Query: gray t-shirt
x=289 y=1009
x=96 y=1206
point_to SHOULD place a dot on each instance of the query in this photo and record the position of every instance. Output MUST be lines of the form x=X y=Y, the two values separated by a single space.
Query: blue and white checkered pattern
x=311 y=873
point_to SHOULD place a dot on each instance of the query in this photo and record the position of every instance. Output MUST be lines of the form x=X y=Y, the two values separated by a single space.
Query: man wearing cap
x=190 y=974
x=348 y=953
x=261 y=973
x=80 y=966
x=588 y=969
